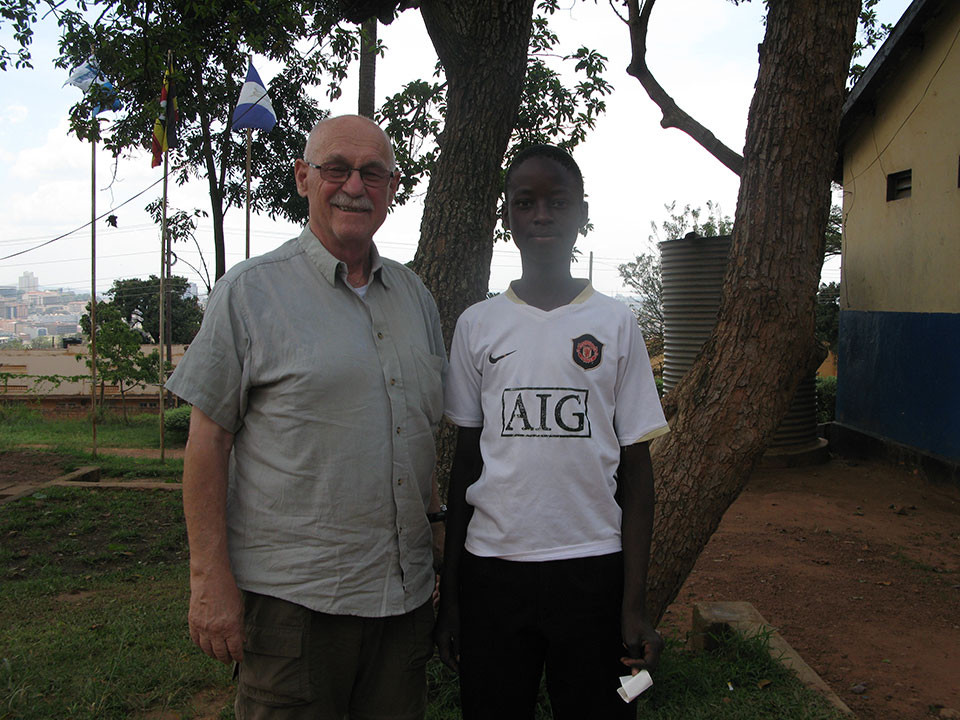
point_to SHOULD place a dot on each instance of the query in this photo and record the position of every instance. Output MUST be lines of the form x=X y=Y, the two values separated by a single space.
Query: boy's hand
x=446 y=634
x=642 y=641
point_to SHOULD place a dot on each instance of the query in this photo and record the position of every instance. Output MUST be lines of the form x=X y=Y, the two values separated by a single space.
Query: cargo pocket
x=421 y=643
x=274 y=669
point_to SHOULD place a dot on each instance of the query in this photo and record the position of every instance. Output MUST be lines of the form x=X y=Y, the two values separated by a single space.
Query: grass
x=25 y=425
x=69 y=440
x=93 y=601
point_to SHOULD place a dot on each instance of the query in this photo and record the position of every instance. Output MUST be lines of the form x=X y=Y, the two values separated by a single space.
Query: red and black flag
x=165 y=128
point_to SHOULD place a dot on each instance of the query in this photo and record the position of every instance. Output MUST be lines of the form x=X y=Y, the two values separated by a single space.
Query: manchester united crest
x=587 y=351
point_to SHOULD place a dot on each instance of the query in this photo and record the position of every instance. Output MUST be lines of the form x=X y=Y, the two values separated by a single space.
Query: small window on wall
x=899 y=185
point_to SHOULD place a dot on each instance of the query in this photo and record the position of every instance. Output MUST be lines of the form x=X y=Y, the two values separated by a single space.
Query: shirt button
x=399 y=481
x=398 y=429
x=393 y=381
x=380 y=336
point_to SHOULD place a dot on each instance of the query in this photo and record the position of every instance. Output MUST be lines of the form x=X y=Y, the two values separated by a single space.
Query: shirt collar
x=328 y=265
x=581 y=298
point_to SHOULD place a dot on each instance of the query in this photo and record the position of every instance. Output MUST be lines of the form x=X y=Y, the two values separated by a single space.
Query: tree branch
x=673 y=116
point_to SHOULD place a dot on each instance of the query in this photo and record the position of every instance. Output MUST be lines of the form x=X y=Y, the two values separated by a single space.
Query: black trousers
x=521 y=618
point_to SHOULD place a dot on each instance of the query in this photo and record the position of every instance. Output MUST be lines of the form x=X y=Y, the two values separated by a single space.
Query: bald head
x=345 y=211
x=325 y=136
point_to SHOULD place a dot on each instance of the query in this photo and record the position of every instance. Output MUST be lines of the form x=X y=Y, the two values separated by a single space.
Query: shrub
x=826 y=398
x=177 y=422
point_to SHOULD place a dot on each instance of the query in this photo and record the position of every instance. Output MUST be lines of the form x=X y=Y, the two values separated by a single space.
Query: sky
x=703 y=52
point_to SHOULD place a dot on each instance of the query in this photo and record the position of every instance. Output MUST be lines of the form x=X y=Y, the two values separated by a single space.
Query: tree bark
x=725 y=410
x=482 y=45
x=366 y=102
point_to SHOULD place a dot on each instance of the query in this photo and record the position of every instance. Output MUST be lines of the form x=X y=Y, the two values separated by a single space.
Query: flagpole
x=253 y=100
x=249 y=143
x=164 y=242
x=163 y=265
x=93 y=289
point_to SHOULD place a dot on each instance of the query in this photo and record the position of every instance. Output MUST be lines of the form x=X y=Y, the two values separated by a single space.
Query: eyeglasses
x=371 y=176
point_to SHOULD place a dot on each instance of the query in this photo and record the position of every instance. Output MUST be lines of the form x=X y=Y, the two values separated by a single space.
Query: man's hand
x=642 y=641
x=446 y=633
x=216 y=618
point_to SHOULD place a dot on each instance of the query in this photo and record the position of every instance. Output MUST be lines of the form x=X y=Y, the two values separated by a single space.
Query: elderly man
x=316 y=389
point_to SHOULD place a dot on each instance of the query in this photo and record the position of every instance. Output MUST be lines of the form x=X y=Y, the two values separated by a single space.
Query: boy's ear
x=584 y=213
x=504 y=218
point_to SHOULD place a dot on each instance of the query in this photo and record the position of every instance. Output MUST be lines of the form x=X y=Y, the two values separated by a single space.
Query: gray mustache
x=346 y=201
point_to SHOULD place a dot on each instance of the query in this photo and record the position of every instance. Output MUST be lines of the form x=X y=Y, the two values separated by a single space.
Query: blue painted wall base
x=899 y=378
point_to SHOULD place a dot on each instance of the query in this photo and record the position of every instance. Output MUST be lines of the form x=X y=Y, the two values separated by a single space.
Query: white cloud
x=14 y=114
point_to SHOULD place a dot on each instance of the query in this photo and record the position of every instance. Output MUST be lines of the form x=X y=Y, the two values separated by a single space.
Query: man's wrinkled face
x=348 y=213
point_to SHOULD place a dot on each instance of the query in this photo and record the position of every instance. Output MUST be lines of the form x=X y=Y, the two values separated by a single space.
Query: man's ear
x=300 y=170
x=394 y=186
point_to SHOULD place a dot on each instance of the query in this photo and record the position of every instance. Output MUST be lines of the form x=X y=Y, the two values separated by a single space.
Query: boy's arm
x=636 y=497
x=466 y=468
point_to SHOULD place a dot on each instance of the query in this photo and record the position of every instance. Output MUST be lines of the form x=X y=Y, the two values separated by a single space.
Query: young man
x=551 y=493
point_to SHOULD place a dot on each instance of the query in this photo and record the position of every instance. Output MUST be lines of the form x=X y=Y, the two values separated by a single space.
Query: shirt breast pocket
x=430 y=382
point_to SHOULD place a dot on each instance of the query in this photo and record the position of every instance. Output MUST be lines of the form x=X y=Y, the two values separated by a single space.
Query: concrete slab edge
x=715 y=618
x=130 y=484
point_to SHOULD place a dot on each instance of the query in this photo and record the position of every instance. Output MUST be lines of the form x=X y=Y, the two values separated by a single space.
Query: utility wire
x=85 y=225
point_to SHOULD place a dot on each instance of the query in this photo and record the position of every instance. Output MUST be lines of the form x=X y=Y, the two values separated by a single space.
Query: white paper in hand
x=632 y=685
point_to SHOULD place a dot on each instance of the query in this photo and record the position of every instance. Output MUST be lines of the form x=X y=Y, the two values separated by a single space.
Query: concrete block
x=88 y=473
x=717 y=618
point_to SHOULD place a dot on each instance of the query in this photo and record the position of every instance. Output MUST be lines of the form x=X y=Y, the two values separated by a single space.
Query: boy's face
x=544 y=210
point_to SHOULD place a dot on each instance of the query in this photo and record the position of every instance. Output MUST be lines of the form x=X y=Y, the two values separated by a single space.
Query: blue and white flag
x=83 y=75
x=254 y=109
x=86 y=76
x=112 y=102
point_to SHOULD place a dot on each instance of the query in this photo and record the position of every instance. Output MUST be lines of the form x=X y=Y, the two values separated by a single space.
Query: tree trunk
x=725 y=410
x=482 y=45
x=214 y=181
x=366 y=103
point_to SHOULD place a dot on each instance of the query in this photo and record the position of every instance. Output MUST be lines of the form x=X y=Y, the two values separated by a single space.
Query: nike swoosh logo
x=498 y=358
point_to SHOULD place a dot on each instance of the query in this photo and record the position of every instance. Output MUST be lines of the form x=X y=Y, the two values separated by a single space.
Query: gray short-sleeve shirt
x=333 y=400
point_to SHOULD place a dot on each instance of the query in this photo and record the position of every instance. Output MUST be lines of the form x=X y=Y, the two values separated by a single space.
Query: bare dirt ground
x=858 y=566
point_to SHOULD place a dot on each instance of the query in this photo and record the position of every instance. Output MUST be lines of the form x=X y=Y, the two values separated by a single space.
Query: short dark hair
x=548 y=152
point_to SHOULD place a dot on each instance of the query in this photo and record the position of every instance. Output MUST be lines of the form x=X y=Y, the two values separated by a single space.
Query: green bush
x=176 y=422
x=826 y=398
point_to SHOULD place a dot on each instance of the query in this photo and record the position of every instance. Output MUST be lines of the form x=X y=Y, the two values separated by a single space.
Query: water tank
x=693 y=269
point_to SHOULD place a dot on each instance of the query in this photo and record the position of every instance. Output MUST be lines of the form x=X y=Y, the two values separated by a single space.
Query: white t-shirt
x=557 y=394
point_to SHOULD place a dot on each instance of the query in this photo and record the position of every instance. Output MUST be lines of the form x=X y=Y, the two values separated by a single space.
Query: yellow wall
x=61 y=362
x=904 y=255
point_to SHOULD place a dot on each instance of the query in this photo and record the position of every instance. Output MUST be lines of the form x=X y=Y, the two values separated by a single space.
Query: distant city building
x=29 y=282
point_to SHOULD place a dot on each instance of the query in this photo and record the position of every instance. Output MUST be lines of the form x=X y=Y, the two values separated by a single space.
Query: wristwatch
x=439 y=516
